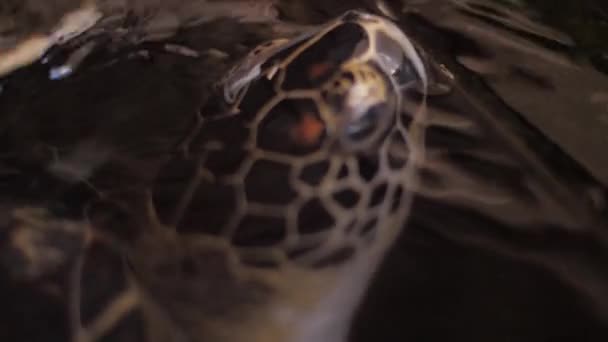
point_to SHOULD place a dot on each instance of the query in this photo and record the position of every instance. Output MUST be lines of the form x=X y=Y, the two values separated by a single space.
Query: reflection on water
x=508 y=239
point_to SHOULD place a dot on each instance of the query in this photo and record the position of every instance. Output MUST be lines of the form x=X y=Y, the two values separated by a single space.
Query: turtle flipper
x=54 y=263
x=27 y=40
x=36 y=244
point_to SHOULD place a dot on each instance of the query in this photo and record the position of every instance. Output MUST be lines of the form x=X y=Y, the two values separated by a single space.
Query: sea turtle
x=135 y=203
x=260 y=217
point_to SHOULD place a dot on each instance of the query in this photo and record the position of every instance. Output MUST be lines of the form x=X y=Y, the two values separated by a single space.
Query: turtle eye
x=365 y=125
x=362 y=99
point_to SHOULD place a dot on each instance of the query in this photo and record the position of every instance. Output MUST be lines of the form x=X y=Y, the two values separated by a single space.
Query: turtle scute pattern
x=279 y=206
x=310 y=157
x=293 y=189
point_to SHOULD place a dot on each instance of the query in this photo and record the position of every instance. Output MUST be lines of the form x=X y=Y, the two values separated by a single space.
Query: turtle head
x=319 y=124
x=305 y=178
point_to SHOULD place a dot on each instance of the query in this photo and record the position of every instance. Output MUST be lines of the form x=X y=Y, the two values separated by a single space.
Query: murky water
x=485 y=272
x=508 y=238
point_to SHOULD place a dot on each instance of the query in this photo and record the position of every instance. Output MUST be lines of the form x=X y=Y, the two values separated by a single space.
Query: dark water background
x=505 y=287
x=536 y=270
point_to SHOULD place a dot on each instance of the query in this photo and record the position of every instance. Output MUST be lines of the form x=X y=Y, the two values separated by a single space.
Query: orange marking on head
x=308 y=131
x=319 y=69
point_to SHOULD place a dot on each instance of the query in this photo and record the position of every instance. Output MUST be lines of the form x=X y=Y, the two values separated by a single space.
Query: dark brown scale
x=378 y=195
x=369 y=227
x=300 y=251
x=313 y=174
x=259 y=261
x=397 y=197
x=314 y=218
x=225 y=162
x=292 y=127
x=268 y=183
x=344 y=172
x=259 y=93
x=208 y=210
x=397 y=152
x=348 y=198
x=368 y=167
x=171 y=186
x=315 y=65
x=218 y=130
x=282 y=55
x=336 y=257
x=350 y=227
x=259 y=231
